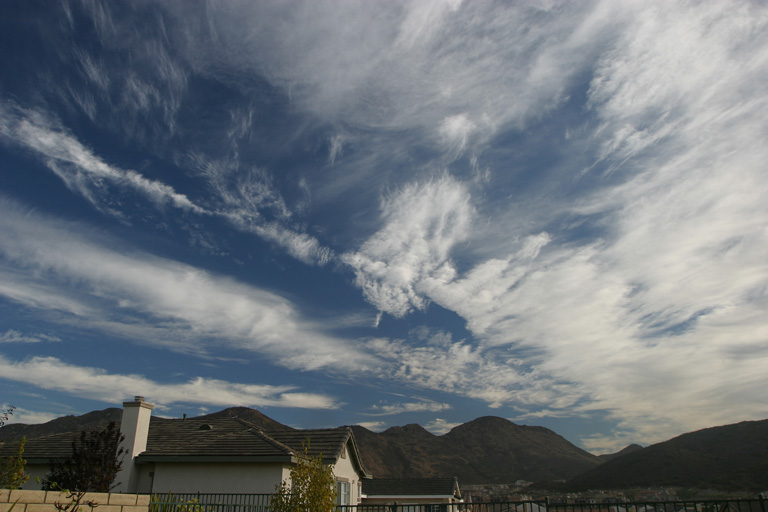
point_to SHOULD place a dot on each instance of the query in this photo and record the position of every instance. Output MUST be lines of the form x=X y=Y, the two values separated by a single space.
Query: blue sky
x=388 y=212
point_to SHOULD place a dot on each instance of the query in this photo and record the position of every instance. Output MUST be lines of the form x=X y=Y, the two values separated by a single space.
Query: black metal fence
x=201 y=502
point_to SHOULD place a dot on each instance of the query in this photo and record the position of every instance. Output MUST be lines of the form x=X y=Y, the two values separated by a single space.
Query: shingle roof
x=220 y=437
x=411 y=487
x=326 y=442
x=236 y=437
x=216 y=439
x=42 y=449
x=329 y=443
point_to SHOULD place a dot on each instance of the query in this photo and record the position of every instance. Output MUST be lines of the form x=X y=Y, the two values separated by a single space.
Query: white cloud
x=336 y=145
x=439 y=426
x=668 y=303
x=455 y=132
x=423 y=19
x=14 y=336
x=422 y=223
x=479 y=295
x=496 y=377
x=81 y=170
x=243 y=198
x=97 y=384
x=301 y=246
x=428 y=406
x=117 y=290
x=372 y=425
x=405 y=65
x=658 y=322
x=613 y=442
x=28 y=417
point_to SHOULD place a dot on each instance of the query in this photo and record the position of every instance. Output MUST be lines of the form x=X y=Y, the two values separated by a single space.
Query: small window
x=342 y=493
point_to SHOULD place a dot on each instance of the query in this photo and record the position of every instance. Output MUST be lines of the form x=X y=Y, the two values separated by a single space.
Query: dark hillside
x=733 y=457
x=486 y=450
x=527 y=453
x=89 y=421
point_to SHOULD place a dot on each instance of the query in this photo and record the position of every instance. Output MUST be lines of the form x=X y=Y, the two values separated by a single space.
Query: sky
x=388 y=212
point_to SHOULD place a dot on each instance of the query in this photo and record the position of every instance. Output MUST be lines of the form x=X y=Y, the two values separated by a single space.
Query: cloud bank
x=99 y=385
x=54 y=266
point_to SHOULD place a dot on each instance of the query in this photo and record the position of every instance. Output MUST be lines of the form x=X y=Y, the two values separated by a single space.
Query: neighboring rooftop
x=411 y=487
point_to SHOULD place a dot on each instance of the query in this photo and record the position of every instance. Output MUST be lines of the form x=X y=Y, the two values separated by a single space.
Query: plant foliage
x=172 y=503
x=313 y=487
x=5 y=415
x=12 y=474
x=74 y=500
x=93 y=465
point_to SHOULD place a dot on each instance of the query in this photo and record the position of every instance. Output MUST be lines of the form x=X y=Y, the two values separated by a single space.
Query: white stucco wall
x=345 y=470
x=36 y=472
x=144 y=474
x=223 y=477
x=134 y=426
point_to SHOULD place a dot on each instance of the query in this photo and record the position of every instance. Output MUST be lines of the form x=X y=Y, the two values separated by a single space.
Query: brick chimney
x=135 y=427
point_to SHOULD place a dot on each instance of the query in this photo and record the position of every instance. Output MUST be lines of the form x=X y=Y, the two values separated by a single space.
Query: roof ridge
x=298 y=431
x=245 y=423
x=277 y=444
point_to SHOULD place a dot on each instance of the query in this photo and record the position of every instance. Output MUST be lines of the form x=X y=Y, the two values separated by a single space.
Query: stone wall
x=45 y=501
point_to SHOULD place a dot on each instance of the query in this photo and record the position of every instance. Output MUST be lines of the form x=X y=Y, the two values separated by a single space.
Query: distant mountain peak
x=409 y=429
x=624 y=451
x=488 y=449
x=250 y=415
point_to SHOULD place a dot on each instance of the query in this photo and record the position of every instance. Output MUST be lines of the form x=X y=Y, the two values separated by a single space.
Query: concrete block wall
x=45 y=501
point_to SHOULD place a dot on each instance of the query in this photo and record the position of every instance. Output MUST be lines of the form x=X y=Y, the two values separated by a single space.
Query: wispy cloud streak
x=77 y=166
x=97 y=384
x=88 y=175
x=86 y=279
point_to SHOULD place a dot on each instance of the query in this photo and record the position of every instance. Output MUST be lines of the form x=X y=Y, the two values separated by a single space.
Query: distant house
x=223 y=455
x=440 y=492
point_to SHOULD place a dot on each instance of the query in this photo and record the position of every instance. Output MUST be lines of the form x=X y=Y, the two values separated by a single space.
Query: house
x=221 y=455
x=440 y=493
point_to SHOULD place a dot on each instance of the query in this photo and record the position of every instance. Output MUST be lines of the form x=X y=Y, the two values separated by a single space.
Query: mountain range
x=491 y=450
x=485 y=450
x=727 y=457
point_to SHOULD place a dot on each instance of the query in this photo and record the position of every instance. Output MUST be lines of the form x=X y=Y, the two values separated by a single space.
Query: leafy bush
x=93 y=465
x=12 y=474
x=313 y=487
